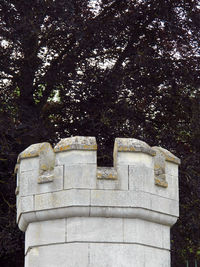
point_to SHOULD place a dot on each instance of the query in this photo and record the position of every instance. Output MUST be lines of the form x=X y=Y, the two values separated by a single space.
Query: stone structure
x=75 y=214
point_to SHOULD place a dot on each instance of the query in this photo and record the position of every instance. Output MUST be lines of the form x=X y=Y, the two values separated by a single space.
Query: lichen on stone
x=160 y=168
x=167 y=154
x=132 y=145
x=106 y=173
x=76 y=143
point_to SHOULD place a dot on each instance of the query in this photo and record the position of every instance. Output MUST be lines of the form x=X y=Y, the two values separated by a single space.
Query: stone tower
x=76 y=214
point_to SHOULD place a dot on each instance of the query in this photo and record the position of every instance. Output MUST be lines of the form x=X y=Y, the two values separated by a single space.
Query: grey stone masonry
x=76 y=214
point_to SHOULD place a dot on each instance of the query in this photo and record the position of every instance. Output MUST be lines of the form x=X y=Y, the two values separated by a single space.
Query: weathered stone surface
x=120 y=183
x=168 y=155
x=94 y=229
x=107 y=184
x=130 y=158
x=28 y=184
x=160 y=169
x=76 y=143
x=24 y=204
x=80 y=176
x=73 y=157
x=66 y=198
x=29 y=164
x=60 y=255
x=127 y=255
x=38 y=159
x=146 y=233
x=132 y=145
x=96 y=254
x=44 y=233
x=171 y=169
x=106 y=173
x=33 y=151
x=134 y=199
x=142 y=179
x=42 y=179
x=45 y=153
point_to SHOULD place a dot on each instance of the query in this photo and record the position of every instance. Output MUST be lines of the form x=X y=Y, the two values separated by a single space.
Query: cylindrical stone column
x=77 y=214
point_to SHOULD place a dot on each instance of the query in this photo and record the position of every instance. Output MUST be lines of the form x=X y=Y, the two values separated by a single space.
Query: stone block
x=80 y=176
x=60 y=255
x=142 y=179
x=66 y=198
x=134 y=199
x=121 y=183
x=44 y=233
x=116 y=255
x=171 y=169
x=104 y=184
x=172 y=191
x=156 y=257
x=127 y=255
x=106 y=173
x=25 y=204
x=113 y=198
x=29 y=164
x=146 y=233
x=122 y=176
x=131 y=158
x=165 y=205
x=29 y=182
x=76 y=157
x=121 y=198
x=94 y=229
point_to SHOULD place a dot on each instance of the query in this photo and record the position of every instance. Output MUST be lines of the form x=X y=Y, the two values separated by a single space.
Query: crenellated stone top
x=47 y=156
x=132 y=145
x=76 y=143
x=89 y=143
x=143 y=179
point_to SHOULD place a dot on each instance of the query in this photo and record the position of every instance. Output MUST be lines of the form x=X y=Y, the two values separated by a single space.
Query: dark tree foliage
x=121 y=69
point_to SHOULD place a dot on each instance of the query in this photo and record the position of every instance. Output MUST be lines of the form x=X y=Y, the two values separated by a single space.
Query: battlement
x=67 y=180
x=75 y=213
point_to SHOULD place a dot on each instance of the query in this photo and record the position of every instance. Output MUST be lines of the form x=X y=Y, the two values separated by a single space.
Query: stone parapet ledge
x=96 y=203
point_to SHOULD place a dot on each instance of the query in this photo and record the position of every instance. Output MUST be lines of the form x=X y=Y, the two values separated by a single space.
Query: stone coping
x=132 y=145
x=34 y=150
x=71 y=143
x=76 y=143
x=89 y=143
x=167 y=154
x=108 y=173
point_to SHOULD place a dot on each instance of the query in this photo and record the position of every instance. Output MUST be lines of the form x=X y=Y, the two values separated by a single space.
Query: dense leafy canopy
x=105 y=68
